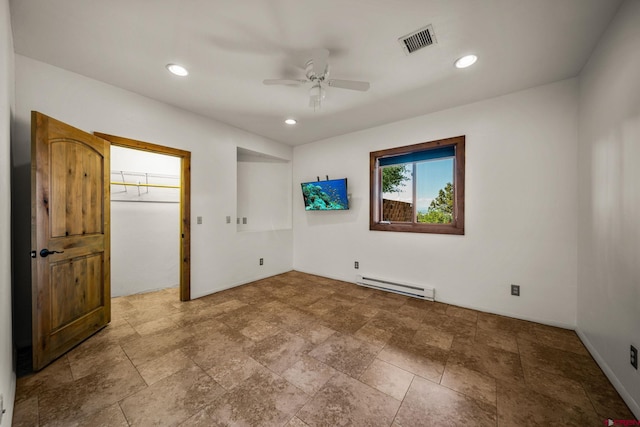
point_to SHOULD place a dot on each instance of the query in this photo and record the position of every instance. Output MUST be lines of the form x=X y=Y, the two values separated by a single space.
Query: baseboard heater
x=408 y=289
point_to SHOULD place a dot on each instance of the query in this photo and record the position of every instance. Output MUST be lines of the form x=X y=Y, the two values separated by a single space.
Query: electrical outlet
x=356 y=265
x=634 y=357
x=261 y=261
x=515 y=290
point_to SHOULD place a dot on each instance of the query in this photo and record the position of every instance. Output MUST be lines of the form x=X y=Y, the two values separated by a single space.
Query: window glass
x=419 y=188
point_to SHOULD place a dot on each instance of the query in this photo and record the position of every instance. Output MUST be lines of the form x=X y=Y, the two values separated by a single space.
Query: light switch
x=199 y=220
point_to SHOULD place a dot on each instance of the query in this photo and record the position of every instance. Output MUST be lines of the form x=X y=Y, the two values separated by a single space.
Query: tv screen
x=327 y=195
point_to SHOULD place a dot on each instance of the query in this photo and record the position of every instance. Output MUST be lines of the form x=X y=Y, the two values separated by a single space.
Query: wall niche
x=264 y=192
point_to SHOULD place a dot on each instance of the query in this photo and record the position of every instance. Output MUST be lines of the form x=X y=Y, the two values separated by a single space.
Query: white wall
x=609 y=202
x=261 y=198
x=521 y=205
x=220 y=256
x=7 y=374
x=145 y=235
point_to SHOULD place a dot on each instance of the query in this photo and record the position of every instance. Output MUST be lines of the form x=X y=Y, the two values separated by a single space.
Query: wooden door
x=69 y=235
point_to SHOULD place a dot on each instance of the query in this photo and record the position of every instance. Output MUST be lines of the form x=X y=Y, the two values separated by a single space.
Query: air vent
x=418 y=39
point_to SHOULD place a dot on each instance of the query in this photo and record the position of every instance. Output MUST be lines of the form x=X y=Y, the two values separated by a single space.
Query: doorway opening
x=163 y=188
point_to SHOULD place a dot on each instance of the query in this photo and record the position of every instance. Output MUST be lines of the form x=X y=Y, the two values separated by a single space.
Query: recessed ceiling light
x=466 y=61
x=291 y=121
x=178 y=70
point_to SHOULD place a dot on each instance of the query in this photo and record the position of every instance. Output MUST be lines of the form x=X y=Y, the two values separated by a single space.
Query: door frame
x=185 y=200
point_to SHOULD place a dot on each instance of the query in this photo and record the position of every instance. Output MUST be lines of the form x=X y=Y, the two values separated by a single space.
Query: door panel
x=70 y=215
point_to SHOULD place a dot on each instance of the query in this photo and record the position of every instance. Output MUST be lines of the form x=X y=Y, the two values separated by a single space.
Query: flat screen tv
x=329 y=195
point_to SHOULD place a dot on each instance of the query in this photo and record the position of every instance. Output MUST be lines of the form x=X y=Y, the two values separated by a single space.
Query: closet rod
x=133 y=184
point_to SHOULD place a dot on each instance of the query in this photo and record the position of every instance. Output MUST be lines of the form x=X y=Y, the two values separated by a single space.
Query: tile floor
x=302 y=350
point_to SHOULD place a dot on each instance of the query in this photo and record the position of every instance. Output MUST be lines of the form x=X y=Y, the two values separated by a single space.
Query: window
x=419 y=188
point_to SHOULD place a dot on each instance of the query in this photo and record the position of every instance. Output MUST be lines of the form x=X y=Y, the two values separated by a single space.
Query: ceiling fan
x=317 y=73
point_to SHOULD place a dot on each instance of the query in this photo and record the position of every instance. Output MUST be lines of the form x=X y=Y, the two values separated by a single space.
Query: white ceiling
x=230 y=46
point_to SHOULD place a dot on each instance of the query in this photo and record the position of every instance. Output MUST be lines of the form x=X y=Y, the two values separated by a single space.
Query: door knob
x=46 y=252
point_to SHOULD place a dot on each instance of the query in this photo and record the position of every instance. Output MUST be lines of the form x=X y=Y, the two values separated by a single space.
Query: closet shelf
x=135 y=184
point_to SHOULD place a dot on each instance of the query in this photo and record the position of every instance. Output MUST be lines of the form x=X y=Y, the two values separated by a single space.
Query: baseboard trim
x=477 y=308
x=628 y=399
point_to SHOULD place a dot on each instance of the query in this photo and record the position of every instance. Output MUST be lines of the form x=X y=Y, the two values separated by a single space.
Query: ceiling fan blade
x=349 y=84
x=320 y=58
x=286 y=82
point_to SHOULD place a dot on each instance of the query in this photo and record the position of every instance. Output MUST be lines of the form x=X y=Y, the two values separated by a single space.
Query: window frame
x=375 y=183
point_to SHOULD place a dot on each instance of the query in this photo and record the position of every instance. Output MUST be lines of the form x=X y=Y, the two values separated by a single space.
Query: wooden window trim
x=375 y=196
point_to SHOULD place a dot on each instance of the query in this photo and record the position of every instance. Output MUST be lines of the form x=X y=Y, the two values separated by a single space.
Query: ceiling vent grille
x=418 y=39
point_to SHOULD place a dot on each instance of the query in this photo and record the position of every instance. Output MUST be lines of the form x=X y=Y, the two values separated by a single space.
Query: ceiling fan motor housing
x=311 y=75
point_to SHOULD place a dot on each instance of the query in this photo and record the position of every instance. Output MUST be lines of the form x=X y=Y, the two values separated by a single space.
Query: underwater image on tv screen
x=325 y=195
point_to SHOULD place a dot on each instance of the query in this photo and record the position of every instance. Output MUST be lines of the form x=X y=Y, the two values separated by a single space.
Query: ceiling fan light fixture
x=178 y=70
x=466 y=61
x=291 y=122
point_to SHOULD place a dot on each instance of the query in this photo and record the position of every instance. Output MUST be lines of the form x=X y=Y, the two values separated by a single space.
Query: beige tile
x=56 y=374
x=495 y=362
x=94 y=355
x=118 y=331
x=345 y=353
x=296 y=422
x=150 y=347
x=111 y=416
x=519 y=405
x=202 y=313
x=606 y=400
x=562 y=339
x=473 y=384
x=315 y=333
x=373 y=335
x=147 y=312
x=25 y=412
x=287 y=318
x=162 y=324
x=463 y=313
x=258 y=330
x=207 y=351
x=461 y=329
x=164 y=366
x=364 y=310
x=502 y=340
x=387 y=378
x=443 y=407
x=226 y=307
x=280 y=351
x=433 y=336
x=543 y=373
x=89 y=394
x=173 y=399
x=556 y=387
x=343 y=321
x=264 y=399
x=419 y=359
x=204 y=328
x=309 y=374
x=241 y=318
x=520 y=328
x=386 y=300
x=232 y=368
x=558 y=362
x=346 y=401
